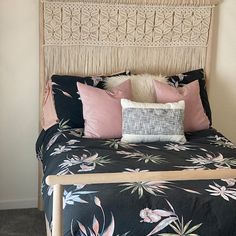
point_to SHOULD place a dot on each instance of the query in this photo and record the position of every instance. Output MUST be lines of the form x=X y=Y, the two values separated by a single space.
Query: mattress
x=203 y=207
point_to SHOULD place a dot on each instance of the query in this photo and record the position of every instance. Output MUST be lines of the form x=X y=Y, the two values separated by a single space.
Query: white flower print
x=135 y=170
x=86 y=162
x=63 y=125
x=63 y=92
x=40 y=153
x=177 y=82
x=76 y=132
x=72 y=141
x=96 y=80
x=50 y=190
x=181 y=76
x=116 y=143
x=85 y=159
x=153 y=216
x=157 y=159
x=152 y=187
x=65 y=171
x=223 y=191
x=177 y=147
x=102 y=228
x=230 y=182
x=60 y=149
x=221 y=141
x=208 y=159
x=69 y=198
x=53 y=139
x=43 y=185
x=206 y=162
x=165 y=218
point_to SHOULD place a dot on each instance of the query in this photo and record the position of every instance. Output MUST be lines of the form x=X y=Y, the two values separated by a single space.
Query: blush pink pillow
x=49 y=115
x=194 y=118
x=102 y=110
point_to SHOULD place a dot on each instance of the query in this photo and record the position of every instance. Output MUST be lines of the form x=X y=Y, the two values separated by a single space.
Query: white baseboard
x=18 y=204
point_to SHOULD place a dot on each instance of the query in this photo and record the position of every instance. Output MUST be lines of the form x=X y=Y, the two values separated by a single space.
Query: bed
x=180 y=181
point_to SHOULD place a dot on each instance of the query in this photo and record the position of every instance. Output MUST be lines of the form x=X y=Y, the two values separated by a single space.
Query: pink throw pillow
x=194 y=118
x=102 y=110
x=49 y=115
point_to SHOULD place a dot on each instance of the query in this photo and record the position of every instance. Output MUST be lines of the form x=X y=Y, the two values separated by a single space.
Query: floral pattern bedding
x=166 y=208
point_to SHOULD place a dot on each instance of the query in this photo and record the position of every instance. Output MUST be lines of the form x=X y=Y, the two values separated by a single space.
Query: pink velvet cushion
x=102 y=110
x=194 y=118
x=49 y=115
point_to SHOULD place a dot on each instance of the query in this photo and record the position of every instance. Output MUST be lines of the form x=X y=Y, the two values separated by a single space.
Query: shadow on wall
x=223 y=107
x=221 y=93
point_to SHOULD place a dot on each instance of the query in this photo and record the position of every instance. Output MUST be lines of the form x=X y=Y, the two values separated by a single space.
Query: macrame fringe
x=85 y=60
x=152 y=2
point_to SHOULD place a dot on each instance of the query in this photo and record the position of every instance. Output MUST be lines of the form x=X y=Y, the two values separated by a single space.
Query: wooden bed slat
x=102 y=178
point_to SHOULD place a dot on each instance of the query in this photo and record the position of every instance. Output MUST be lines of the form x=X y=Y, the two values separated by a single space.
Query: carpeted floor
x=22 y=222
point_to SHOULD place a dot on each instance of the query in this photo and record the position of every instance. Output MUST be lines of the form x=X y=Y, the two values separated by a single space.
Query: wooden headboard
x=91 y=37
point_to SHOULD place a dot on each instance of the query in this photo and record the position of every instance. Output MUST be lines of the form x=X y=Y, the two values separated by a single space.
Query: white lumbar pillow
x=151 y=122
x=142 y=85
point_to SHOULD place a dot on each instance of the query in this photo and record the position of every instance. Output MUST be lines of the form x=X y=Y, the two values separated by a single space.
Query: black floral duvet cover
x=166 y=208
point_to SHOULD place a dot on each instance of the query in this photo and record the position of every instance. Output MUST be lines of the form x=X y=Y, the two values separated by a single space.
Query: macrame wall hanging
x=102 y=37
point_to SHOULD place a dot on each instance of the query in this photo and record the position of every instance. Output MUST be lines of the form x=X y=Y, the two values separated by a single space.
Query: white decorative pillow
x=150 y=122
x=142 y=85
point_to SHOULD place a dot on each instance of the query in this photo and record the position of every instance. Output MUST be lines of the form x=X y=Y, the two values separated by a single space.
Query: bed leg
x=57 y=226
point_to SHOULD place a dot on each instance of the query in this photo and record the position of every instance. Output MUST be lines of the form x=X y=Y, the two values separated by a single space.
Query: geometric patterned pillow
x=150 y=122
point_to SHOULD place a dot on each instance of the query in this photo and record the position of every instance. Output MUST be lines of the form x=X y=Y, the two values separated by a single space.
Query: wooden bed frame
x=185 y=30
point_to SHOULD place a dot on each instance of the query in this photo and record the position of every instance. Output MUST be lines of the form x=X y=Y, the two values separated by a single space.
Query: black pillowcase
x=68 y=105
x=188 y=77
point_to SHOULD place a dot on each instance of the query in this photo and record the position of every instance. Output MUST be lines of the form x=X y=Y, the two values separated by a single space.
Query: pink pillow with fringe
x=194 y=118
x=102 y=110
x=49 y=115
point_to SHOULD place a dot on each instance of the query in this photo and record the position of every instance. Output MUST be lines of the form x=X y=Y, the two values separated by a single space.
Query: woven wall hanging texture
x=99 y=37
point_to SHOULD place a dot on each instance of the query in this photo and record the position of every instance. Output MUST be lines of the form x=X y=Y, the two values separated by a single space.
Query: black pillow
x=188 y=77
x=68 y=105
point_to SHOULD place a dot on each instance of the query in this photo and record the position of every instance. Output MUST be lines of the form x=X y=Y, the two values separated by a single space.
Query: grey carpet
x=22 y=222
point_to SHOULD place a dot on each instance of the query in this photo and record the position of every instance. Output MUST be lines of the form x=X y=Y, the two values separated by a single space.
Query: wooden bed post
x=40 y=201
x=209 y=53
x=41 y=88
x=57 y=227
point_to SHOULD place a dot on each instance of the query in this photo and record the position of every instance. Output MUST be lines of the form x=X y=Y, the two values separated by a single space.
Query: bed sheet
x=206 y=207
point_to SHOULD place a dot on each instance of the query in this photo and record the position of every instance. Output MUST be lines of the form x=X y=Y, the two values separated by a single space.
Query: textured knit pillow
x=188 y=77
x=149 y=122
x=195 y=118
x=102 y=110
x=62 y=104
x=142 y=85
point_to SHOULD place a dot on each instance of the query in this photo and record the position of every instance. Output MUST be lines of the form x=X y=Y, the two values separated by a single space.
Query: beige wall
x=222 y=89
x=18 y=102
x=19 y=94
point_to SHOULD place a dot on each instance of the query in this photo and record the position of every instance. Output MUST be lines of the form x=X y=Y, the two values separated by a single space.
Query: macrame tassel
x=149 y=2
x=85 y=60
